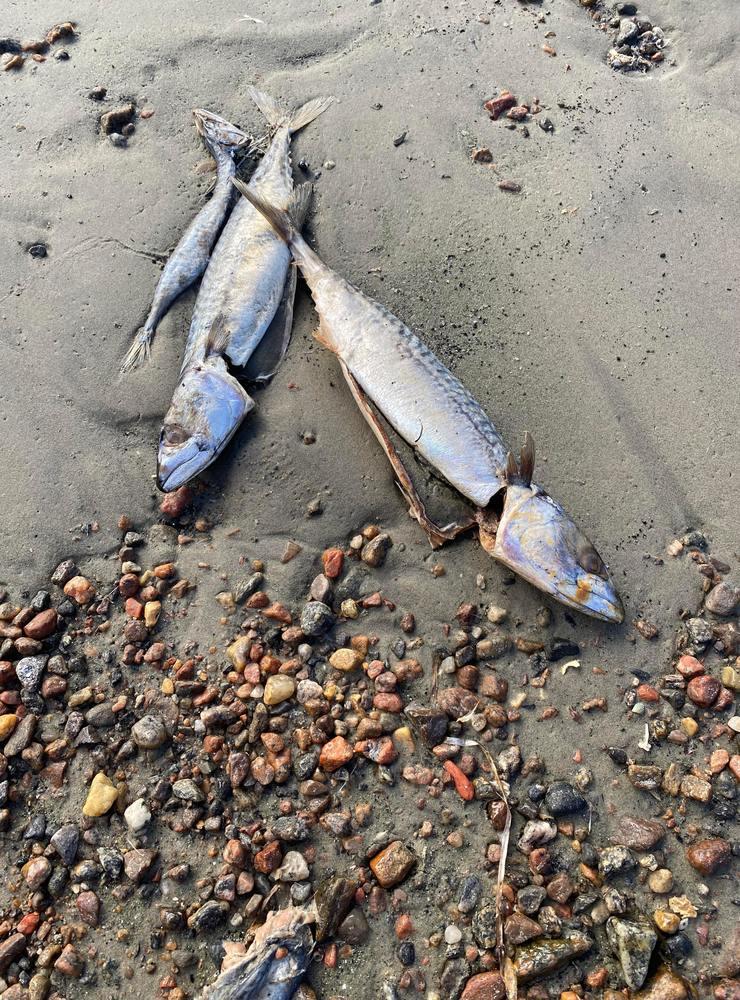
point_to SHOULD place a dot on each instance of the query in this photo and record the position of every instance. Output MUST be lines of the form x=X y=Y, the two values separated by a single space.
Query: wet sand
x=596 y=308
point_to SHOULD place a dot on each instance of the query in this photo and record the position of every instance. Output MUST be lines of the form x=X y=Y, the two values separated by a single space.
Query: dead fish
x=190 y=257
x=384 y=362
x=261 y=974
x=248 y=287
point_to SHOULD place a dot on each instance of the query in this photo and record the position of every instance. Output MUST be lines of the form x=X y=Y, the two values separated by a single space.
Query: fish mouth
x=595 y=597
x=174 y=469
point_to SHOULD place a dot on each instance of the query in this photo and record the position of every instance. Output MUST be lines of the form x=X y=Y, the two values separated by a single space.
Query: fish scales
x=416 y=393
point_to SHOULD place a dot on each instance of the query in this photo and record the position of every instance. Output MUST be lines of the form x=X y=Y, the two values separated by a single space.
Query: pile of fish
x=243 y=317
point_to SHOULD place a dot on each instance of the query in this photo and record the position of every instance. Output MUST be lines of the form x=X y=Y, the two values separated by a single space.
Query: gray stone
x=628 y=31
x=530 y=898
x=633 y=945
x=316 y=618
x=187 y=790
x=722 y=599
x=29 y=671
x=615 y=861
x=210 y=915
x=149 y=733
x=21 y=735
x=101 y=716
x=470 y=894
x=293 y=869
x=65 y=842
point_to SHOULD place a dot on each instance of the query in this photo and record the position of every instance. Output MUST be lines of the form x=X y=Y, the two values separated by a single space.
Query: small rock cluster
x=16 y=52
x=638 y=43
x=216 y=786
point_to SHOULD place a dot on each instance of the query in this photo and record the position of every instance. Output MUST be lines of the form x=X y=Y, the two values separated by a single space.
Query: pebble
x=632 y=944
x=278 y=688
x=208 y=916
x=470 y=894
x=294 y=868
x=65 y=842
x=100 y=797
x=137 y=816
x=375 y=551
x=149 y=733
x=36 y=872
x=707 y=856
x=660 y=881
x=29 y=671
x=452 y=934
x=484 y=986
x=722 y=599
x=696 y=788
x=70 y=963
x=345 y=659
x=64 y=572
x=354 y=929
x=80 y=590
x=138 y=863
x=637 y=833
x=11 y=948
x=665 y=985
x=316 y=618
x=188 y=791
x=542 y=957
x=335 y=754
x=666 y=921
x=562 y=799
x=393 y=864
x=7 y=725
x=88 y=906
x=21 y=735
x=42 y=625
x=615 y=861
x=703 y=690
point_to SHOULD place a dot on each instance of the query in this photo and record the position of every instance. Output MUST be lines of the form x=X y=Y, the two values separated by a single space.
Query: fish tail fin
x=140 y=350
x=280 y=221
x=307 y=112
x=299 y=203
x=278 y=116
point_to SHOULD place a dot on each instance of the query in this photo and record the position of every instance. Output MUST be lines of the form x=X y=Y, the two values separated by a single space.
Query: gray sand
x=594 y=309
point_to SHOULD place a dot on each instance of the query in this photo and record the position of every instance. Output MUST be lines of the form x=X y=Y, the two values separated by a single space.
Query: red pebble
x=463 y=784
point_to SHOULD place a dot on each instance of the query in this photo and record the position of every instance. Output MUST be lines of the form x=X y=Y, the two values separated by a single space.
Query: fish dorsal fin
x=521 y=472
x=218 y=336
x=526 y=459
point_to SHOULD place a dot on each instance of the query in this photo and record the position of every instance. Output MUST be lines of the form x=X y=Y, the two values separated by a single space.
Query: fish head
x=540 y=542
x=217 y=131
x=207 y=407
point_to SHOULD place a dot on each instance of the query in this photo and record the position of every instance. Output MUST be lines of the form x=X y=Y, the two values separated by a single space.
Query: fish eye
x=590 y=560
x=175 y=434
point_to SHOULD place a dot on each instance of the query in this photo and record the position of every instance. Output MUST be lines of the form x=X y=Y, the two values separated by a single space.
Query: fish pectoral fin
x=436 y=534
x=271 y=350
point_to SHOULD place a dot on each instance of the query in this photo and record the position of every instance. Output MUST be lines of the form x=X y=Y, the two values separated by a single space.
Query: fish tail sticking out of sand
x=244 y=311
x=190 y=257
x=386 y=365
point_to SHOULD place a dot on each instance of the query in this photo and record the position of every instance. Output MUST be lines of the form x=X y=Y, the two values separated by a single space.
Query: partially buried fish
x=275 y=962
x=190 y=257
x=384 y=362
x=248 y=287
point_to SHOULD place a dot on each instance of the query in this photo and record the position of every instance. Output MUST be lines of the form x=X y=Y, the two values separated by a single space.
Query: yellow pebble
x=101 y=796
x=278 y=687
x=345 y=659
x=689 y=726
x=666 y=921
x=152 y=611
x=168 y=686
x=7 y=725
